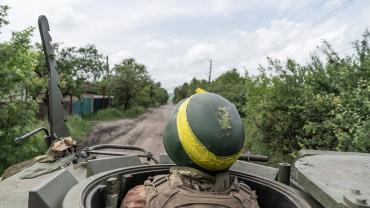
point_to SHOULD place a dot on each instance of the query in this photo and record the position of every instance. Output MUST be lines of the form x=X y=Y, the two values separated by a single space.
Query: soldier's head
x=204 y=132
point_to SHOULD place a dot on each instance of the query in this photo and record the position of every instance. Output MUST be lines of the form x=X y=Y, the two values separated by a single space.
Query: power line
x=312 y=10
x=288 y=9
x=324 y=18
x=332 y=13
x=282 y=15
x=308 y=13
x=319 y=21
x=303 y=8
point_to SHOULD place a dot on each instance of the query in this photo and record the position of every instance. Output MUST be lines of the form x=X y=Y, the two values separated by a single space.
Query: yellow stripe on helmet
x=199 y=90
x=197 y=152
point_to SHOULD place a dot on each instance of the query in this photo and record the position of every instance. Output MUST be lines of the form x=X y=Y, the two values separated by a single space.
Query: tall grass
x=78 y=127
x=115 y=113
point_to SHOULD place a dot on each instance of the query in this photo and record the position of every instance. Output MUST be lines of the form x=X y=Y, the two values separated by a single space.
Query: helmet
x=204 y=132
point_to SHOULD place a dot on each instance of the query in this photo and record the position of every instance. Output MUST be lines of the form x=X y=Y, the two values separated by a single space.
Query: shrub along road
x=145 y=131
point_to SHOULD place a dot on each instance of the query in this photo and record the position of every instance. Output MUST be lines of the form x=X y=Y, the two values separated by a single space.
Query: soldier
x=204 y=136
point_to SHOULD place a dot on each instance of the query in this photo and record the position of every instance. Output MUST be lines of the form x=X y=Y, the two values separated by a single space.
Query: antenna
x=56 y=114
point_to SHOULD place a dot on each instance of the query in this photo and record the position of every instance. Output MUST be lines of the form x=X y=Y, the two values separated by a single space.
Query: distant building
x=87 y=104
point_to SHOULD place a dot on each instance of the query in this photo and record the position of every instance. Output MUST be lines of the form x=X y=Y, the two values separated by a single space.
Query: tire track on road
x=145 y=131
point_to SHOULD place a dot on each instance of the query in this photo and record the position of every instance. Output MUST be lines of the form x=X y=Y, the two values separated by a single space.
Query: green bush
x=106 y=114
x=17 y=121
x=186 y=90
x=321 y=105
x=134 y=111
x=324 y=104
x=78 y=127
x=132 y=86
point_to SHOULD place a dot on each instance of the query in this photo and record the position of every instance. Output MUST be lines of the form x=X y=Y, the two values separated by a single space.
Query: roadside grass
x=78 y=127
x=134 y=111
x=115 y=113
x=105 y=114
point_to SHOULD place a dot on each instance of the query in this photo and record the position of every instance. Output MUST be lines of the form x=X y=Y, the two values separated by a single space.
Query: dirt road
x=144 y=131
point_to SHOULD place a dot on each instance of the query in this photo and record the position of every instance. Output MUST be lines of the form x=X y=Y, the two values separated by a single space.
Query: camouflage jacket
x=187 y=187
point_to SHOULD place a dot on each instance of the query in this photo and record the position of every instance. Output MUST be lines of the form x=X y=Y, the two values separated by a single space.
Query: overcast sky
x=176 y=39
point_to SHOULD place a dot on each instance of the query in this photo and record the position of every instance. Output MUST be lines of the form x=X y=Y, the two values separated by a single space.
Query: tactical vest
x=187 y=187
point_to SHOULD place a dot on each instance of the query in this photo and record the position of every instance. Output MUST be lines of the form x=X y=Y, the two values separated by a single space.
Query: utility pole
x=210 y=71
x=108 y=72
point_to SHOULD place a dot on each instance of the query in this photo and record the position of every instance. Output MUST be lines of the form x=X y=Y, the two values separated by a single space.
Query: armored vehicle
x=68 y=178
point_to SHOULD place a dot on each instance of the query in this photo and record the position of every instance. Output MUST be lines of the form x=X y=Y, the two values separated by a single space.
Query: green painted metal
x=50 y=193
x=311 y=152
x=357 y=199
x=205 y=113
x=14 y=191
x=284 y=173
x=329 y=178
x=216 y=123
x=171 y=142
x=83 y=107
x=56 y=115
x=104 y=164
x=255 y=169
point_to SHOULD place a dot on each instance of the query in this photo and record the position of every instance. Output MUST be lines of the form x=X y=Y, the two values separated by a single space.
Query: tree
x=186 y=90
x=231 y=86
x=18 y=108
x=158 y=94
x=129 y=80
x=3 y=13
x=131 y=85
x=181 y=92
x=77 y=66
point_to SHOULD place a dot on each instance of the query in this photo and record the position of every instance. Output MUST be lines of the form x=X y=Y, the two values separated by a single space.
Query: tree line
x=324 y=104
x=23 y=85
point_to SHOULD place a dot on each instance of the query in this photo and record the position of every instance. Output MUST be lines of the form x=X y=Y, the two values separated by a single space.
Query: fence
x=83 y=107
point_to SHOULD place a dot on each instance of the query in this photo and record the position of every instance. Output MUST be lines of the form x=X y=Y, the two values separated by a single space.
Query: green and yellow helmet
x=204 y=132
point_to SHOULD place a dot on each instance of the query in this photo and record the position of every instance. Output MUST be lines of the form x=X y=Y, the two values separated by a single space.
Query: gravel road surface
x=145 y=131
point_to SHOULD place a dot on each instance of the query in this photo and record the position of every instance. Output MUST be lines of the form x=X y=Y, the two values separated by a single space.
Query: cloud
x=200 y=52
x=234 y=33
x=119 y=56
x=67 y=18
x=245 y=50
x=156 y=45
